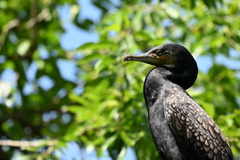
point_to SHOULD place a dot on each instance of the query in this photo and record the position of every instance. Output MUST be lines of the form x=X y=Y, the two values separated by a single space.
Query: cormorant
x=180 y=128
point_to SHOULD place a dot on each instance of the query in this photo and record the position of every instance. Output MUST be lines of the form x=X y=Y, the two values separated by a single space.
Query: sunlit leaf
x=95 y=46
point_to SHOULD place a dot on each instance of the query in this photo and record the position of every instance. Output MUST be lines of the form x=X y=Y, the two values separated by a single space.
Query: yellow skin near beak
x=152 y=58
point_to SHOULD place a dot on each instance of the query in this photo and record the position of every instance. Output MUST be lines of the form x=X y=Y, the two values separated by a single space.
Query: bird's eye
x=159 y=52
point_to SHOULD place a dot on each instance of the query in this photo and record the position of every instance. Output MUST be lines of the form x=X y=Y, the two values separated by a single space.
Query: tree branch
x=39 y=18
x=16 y=22
x=23 y=144
x=6 y=30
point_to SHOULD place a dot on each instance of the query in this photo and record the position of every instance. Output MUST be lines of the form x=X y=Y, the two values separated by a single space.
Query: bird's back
x=197 y=135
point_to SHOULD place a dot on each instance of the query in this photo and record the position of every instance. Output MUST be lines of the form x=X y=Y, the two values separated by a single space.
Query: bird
x=180 y=128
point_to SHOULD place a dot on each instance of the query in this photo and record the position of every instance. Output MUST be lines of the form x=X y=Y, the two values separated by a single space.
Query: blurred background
x=65 y=92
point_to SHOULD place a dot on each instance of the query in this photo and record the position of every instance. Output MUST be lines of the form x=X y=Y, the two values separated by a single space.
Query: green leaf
x=23 y=47
x=98 y=46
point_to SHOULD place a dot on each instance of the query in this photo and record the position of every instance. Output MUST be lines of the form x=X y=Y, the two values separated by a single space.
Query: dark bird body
x=180 y=128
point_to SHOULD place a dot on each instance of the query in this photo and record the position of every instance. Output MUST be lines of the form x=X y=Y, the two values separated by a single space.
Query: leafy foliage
x=109 y=114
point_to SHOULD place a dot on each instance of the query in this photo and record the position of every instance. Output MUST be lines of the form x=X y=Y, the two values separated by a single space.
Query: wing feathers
x=197 y=135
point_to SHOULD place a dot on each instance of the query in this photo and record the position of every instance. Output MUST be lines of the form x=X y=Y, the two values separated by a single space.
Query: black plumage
x=180 y=128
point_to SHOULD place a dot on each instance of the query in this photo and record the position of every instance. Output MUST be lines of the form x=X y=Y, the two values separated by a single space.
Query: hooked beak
x=149 y=58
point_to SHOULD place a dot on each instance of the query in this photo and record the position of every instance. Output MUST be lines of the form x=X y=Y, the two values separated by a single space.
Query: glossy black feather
x=181 y=129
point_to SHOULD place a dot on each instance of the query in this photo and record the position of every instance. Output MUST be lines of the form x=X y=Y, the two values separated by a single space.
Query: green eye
x=159 y=52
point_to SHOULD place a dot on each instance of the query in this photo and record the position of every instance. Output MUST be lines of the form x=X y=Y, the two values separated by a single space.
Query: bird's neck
x=160 y=81
x=184 y=76
x=156 y=83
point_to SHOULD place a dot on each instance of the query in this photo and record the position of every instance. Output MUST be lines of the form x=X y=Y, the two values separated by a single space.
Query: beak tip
x=127 y=58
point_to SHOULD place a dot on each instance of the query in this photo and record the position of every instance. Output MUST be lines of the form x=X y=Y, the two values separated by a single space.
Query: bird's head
x=174 y=57
x=166 y=55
